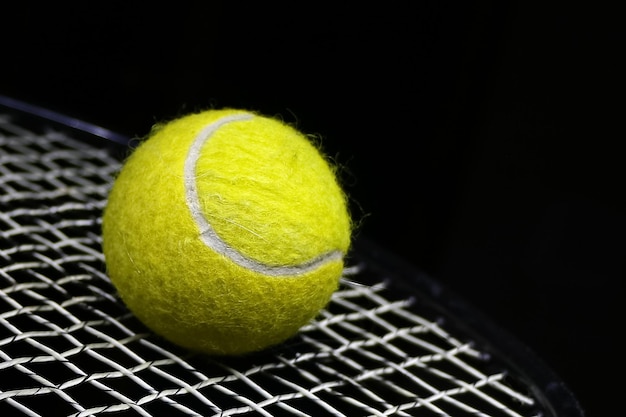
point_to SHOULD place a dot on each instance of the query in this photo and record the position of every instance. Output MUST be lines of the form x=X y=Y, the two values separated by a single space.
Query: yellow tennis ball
x=226 y=231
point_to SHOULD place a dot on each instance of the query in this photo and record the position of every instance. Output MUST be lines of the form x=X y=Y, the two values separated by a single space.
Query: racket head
x=393 y=340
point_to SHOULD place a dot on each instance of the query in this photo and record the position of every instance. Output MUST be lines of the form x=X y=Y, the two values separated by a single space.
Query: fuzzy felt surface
x=225 y=231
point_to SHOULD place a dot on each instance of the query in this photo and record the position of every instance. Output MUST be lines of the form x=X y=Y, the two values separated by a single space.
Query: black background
x=480 y=140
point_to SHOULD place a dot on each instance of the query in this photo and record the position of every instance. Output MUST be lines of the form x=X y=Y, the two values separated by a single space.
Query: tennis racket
x=393 y=341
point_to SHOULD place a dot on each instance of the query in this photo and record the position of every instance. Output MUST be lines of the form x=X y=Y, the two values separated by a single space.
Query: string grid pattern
x=69 y=345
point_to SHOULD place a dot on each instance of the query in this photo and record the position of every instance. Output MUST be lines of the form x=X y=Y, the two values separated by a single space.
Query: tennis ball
x=225 y=231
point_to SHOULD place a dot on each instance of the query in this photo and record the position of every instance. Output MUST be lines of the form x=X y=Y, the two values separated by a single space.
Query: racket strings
x=68 y=344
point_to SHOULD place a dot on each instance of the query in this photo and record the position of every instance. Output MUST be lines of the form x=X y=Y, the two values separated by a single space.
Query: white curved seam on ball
x=208 y=235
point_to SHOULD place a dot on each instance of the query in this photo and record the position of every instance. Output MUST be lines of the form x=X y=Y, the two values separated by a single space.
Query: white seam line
x=208 y=235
